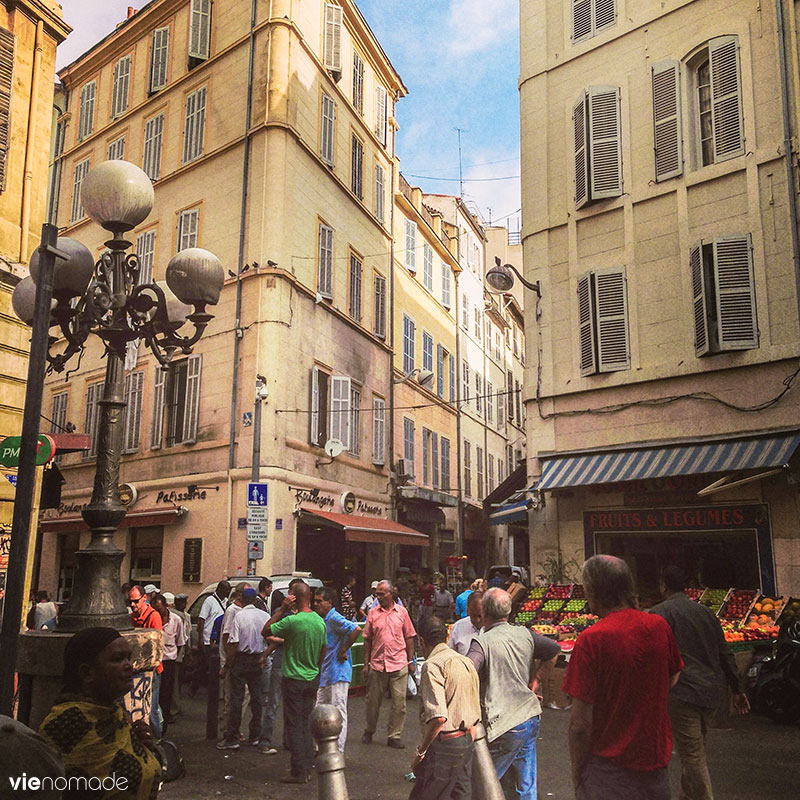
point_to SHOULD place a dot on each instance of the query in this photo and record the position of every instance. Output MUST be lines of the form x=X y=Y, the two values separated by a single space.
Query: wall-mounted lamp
x=424 y=377
x=501 y=280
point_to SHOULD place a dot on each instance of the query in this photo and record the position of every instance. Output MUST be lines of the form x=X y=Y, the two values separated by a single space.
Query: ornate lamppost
x=106 y=299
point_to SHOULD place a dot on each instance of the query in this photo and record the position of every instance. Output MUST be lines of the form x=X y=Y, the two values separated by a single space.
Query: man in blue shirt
x=337 y=667
x=461 y=600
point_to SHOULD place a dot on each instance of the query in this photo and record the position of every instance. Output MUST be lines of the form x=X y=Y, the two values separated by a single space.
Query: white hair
x=496 y=604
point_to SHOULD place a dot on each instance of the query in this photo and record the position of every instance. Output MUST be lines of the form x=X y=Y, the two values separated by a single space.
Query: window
x=381 y=114
x=597 y=145
x=501 y=411
x=327 y=129
x=724 y=297
x=410 y=259
x=500 y=468
x=159 y=54
x=357 y=167
x=341 y=415
x=427 y=266
x=479 y=470
x=408 y=440
x=409 y=331
x=81 y=168
x=510 y=395
x=379 y=306
x=477 y=320
x=7 y=46
x=446 y=285
x=427 y=351
x=122 y=81
x=589 y=17
x=132 y=413
x=195 y=123
x=518 y=401
x=380 y=193
x=378 y=430
x=151 y=155
x=199 y=31
x=426 y=456
x=667 y=136
x=489 y=402
x=145 y=252
x=116 y=149
x=498 y=346
x=464 y=382
x=325 y=261
x=490 y=474
x=188 y=222
x=86 y=114
x=358 y=83
x=332 y=44
x=177 y=398
x=441 y=355
x=478 y=392
x=445 y=455
x=452 y=379
x=464 y=311
x=91 y=422
x=603 y=321
x=434 y=460
x=58 y=416
x=355 y=421
x=355 y=287
x=509 y=459
x=467 y=469
x=320 y=386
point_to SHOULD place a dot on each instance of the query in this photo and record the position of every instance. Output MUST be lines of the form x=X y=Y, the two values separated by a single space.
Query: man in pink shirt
x=388 y=654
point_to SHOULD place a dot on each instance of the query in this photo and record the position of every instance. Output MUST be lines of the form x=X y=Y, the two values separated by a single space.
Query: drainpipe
x=458 y=373
x=788 y=149
x=30 y=156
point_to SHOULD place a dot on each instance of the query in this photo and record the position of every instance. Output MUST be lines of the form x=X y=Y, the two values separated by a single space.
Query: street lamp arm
x=534 y=287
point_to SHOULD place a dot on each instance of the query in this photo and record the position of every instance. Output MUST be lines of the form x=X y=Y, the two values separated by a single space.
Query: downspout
x=788 y=150
x=27 y=181
x=458 y=374
x=391 y=340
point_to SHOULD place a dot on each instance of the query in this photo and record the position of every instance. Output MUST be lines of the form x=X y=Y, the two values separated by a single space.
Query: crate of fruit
x=737 y=604
x=578 y=590
x=693 y=594
x=536 y=593
x=558 y=591
x=765 y=611
x=714 y=598
x=575 y=604
x=791 y=611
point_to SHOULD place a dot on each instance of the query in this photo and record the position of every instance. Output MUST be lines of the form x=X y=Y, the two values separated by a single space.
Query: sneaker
x=253 y=742
x=267 y=750
x=366 y=738
x=224 y=744
x=396 y=743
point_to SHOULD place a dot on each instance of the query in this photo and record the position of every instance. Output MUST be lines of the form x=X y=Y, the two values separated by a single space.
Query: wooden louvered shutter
x=192 y=404
x=200 y=29
x=667 y=141
x=605 y=14
x=6 y=84
x=613 y=347
x=605 y=142
x=702 y=345
x=726 y=97
x=585 y=325
x=581 y=19
x=332 y=55
x=340 y=410
x=581 y=152
x=736 y=298
x=159 y=389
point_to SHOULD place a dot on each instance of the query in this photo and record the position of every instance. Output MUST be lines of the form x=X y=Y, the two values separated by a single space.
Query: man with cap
x=213 y=607
x=369 y=601
x=174 y=642
x=244 y=659
x=150 y=590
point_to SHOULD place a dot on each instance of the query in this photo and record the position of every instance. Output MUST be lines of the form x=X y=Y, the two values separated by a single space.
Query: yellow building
x=660 y=216
x=286 y=177
x=30 y=30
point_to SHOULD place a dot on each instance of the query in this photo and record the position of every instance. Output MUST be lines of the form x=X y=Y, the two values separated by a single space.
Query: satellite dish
x=334 y=447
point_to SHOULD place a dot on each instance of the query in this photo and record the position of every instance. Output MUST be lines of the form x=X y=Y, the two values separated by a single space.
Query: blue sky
x=460 y=62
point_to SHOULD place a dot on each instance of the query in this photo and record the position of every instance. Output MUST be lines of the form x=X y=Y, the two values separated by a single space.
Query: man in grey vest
x=511 y=661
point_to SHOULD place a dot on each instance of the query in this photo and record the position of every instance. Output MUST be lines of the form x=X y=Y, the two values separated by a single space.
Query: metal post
x=485 y=784
x=326 y=724
x=26 y=474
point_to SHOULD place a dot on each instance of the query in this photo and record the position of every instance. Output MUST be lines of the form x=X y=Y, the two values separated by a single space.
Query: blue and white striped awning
x=510 y=512
x=660 y=462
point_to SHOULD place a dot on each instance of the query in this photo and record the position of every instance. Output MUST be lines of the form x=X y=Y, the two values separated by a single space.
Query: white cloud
x=476 y=25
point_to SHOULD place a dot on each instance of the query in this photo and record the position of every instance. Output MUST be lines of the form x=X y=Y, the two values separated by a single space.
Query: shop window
x=146 y=555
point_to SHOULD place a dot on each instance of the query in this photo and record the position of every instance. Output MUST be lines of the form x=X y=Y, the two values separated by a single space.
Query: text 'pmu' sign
x=11 y=445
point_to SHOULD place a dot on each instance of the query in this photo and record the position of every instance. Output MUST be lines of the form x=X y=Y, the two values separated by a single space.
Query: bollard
x=326 y=724
x=485 y=784
x=212 y=709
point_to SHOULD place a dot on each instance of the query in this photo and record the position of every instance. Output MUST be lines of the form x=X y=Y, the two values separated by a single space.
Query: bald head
x=302 y=593
x=609 y=584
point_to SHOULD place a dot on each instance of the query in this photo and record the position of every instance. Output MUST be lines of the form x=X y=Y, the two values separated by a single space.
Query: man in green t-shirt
x=303 y=634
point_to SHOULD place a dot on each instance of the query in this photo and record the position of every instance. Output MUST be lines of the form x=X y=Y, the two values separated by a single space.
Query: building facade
x=660 y=219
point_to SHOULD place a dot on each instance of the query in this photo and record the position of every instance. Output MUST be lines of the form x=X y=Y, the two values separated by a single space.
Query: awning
x=366 y=529
x=133 y=519
x=754 y=452
x=510 y=512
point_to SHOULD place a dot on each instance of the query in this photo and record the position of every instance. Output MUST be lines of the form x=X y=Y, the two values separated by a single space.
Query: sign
x=241 y=523
x=348 y=502
x=255 y=550
x=10 y=447
x=256 y=523
x=257 y=515
x=192 y=560
x=128 y=494
x=247 y=419
x=256 y=533
x=256 y=494
x=278 y=524
x=707 y=518
x=5 y=550
x=12 y=479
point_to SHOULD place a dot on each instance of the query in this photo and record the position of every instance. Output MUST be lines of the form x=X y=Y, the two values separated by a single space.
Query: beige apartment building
x=287 y=177
x=660 y=218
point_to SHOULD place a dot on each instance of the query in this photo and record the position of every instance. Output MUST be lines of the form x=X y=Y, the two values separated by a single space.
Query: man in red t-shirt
x=619 y=675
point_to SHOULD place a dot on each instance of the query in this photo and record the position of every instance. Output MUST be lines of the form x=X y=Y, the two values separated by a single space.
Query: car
x=506 y=571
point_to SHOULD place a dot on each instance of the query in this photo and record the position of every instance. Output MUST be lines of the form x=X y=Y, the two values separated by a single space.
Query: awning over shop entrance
x=133 y=519
x=510 y=512
x=366 y=529
x=689 y=458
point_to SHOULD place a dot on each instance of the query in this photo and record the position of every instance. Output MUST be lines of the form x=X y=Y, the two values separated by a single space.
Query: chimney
x=131 y=11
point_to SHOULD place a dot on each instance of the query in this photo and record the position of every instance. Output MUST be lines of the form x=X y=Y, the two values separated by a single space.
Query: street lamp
x=424 y=377
x=501 y=280
x=106 y=298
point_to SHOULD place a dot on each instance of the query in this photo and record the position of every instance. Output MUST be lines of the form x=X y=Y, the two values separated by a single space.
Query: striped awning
x=510 y=512
x=660 y=462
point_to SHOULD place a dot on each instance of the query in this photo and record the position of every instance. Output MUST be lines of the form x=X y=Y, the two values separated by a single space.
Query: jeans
x=377 y=682
x=272 y=695
x=155 y=712
x=298 y=703
x=601 y=779
x=446 y=771
x=246 y=671
x=515 y=753
x=335 y=694
x=689 y=726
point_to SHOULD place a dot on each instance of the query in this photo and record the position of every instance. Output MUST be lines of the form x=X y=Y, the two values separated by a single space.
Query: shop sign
x=369 y=509
x=679 y=519
x=313 y=497
x=192 y=560
x=348 y=502
x=192 y=493
x=11 y=445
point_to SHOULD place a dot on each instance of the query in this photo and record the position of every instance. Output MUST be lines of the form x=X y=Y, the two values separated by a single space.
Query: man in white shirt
x=464 y=630
x=213 y=607
x=235 y=605
x=369 y=601
x=44 y=615
x=174 y=641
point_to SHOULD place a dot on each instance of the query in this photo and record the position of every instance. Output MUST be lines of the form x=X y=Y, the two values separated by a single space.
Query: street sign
x=256 y=533
x=45 y=450
x=256 y=494
x=255 y=550
x=256 y=514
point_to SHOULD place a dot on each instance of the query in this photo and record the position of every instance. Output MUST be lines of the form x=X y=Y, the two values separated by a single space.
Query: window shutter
x=435 y=460
x=325 y=257
x=158 y=59
x=340 y=410
x=6 y=83
x=90 y=424
x=613 y=349
x=605 y=142
x=132 y=415
x=581 y=19
x=439 y=370
x=86 y=114
x=581 y=153
x=726 y=97
x=378 y=430
x=314 y=432
x=735 y=290
x=200 y=29
x=192 y=412
x=358 y=83
x=380 y=193
x=327 y=129
x=701 y=339
x=605 y=14
x=119 y=97
x=151 y=158
x=586 y=325
x=333 y=37
x=381 y=113
x=145 y=252
x=379 y=325
x=157 y=431
x=667 y=142
x=411 y=246
x=445 y=285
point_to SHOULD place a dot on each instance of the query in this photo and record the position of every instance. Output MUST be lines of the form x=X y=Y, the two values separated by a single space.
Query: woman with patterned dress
x=105 y=755
x=347 y=602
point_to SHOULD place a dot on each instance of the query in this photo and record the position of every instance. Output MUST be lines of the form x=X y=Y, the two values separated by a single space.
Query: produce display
x=765 y=612
x=559 y=591
x=552 y=605
x=791 y=611
x=694 y=594
x=738 y=603
x=536 y=591
x=545 y=630
x=714 y=598
x=578 y=591
x=575 y=605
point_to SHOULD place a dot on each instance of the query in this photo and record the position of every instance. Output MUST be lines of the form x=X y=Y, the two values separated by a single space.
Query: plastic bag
x=414 y=675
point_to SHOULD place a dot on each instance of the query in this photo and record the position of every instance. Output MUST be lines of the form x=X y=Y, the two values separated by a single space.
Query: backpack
x=171 y=760
x=216 y=630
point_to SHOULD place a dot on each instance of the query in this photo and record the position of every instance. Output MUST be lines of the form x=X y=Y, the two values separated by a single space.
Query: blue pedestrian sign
x=257 y=494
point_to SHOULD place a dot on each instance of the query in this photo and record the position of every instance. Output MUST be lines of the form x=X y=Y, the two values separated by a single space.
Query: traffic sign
x=256 y=533
x=256 y=494
x=257 y=514
x=255 y=550
x=45 y=450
